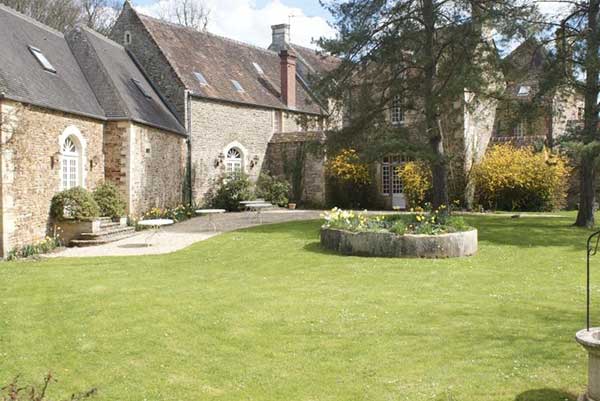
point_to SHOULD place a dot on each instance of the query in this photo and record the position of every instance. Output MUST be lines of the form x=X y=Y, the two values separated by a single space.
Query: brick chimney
x=287 y=60
x=280 y=37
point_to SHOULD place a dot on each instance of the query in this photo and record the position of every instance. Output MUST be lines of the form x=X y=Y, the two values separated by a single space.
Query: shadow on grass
x=530 y=232
x=545 y=394
x=524 y=232
x=316 y=247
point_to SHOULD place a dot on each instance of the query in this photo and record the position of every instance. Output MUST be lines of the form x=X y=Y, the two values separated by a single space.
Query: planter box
x=68 y=230
x=385 y=244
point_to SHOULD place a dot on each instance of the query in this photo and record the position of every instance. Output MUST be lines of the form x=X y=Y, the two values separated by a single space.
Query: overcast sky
x=250 y=20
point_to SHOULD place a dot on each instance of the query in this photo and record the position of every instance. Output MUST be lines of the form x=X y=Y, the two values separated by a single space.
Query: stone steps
x=109 y=233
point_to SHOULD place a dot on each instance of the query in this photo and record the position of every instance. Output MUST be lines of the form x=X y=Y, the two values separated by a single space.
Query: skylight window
x=37 y=53
x=524 y=90
x=141 y=88
x=200 y=78
x=237 y=86
x=258 y=69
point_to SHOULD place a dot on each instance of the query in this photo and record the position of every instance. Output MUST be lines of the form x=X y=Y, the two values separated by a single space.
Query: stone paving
x=181 y=235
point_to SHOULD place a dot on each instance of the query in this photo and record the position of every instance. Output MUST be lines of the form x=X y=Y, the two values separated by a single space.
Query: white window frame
x=396 y=111
x=41 y=58
x=391 y=183
x=241 y=161
x=73 y=134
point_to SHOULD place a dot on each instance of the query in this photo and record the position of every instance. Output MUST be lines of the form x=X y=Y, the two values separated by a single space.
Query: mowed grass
x=265 y=314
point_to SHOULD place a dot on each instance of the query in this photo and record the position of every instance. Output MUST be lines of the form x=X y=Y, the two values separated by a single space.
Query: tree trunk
x=585 y=215
x=439 y=167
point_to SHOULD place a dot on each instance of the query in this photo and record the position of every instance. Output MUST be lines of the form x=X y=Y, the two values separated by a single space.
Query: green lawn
x=265 y=314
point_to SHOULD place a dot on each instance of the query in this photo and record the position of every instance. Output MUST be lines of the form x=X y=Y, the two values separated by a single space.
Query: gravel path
x=181 y=235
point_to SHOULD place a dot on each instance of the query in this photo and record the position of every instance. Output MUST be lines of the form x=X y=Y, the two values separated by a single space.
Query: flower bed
x=422 y=235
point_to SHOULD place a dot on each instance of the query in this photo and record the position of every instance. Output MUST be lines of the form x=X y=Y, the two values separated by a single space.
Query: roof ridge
x=31 y=20
x=179 y=26
x=99 y=35
x=98 y=60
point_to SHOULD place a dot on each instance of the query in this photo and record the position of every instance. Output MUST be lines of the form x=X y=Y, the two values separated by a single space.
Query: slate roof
x=110 y=70
x=316 y=61
x=524 y=67
x=22 y=78
x=221 y=60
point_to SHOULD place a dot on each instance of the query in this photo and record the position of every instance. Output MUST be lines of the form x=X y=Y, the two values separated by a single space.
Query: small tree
x=193 y=14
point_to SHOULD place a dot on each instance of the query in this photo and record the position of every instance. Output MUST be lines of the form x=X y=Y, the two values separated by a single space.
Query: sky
x=250 y=20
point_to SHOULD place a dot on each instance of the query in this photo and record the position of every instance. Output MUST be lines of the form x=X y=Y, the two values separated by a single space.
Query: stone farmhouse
x=163 y=112
x=235 y=99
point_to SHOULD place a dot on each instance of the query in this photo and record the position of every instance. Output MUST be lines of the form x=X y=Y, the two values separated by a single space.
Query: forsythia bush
x=416 y=178
x=347 y=167
x=511 y=178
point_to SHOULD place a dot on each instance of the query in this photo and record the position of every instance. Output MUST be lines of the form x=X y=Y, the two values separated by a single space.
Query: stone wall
x=31 y=172
x=147 y=164
x=305 y=152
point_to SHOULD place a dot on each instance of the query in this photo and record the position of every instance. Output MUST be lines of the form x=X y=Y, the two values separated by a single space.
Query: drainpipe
x=188 y=117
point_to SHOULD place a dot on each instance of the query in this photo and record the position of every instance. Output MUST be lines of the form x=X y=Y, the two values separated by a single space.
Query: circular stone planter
x=386 y=244
x=590 y=340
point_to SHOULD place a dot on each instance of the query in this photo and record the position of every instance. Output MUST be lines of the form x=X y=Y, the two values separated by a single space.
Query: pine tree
x=426 y=53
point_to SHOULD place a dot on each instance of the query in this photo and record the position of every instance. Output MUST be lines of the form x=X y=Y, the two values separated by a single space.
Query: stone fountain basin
x=590 y=340
x=387 y=244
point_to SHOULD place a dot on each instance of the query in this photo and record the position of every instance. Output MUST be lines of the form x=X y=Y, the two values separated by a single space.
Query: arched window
x=234 y=161
x=127 y=38
x=71 y=174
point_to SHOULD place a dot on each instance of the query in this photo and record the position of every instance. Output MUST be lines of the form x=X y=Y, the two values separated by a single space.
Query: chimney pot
x=280 y=37
x=288 y=77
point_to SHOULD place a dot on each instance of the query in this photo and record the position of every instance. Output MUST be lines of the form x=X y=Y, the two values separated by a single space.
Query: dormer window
x=258 y=69
x=141 y=88
x=37 y=53
x=238 y=87
x=200 y=78
x=524 y=90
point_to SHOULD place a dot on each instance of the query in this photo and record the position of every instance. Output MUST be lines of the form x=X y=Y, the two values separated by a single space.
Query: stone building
x=144 y=143
x=233 y=97
x=61 y=128
x=526 y=117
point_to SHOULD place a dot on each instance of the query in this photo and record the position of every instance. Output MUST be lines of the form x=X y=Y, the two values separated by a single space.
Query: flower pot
x=291 y=206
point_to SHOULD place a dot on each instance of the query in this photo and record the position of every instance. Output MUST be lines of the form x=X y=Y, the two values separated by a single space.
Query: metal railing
x=592 y=249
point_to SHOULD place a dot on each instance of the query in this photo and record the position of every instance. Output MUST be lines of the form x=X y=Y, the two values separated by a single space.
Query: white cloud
x=243 y=20
x=554 y=9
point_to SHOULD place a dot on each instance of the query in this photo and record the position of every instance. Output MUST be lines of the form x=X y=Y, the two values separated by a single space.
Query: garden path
x=186 y=233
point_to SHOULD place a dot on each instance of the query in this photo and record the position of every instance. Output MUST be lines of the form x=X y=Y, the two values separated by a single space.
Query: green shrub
x=177 y=214
x=229 y=192
x=75 y=203
x=273 y=190
x=511 y=178
x=109 y=200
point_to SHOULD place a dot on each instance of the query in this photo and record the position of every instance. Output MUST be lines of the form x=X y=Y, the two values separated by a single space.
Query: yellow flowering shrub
x=347 y=166
x=416 y=180
x=511 y=178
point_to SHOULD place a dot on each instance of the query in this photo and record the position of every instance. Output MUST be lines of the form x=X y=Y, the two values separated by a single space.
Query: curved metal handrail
x=592 y=249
